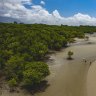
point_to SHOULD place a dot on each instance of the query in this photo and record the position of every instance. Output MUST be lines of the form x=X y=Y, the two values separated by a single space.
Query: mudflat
x=69 y=77
x=91 y=80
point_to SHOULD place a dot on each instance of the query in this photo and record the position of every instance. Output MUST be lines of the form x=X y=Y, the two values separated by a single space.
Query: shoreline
x=67 y=77
x=70 y=77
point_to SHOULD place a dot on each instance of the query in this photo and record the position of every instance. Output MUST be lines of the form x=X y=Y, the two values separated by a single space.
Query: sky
x=52 y=12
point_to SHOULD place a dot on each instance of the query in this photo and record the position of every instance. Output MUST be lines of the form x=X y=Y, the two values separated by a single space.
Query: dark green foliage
x=12 y=82
x=70 y=53
x=24 y=46
x=34 y=73
x=15 y=22
x=14 y=67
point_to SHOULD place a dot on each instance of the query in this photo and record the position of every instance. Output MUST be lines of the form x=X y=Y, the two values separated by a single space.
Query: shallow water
x=69 y=78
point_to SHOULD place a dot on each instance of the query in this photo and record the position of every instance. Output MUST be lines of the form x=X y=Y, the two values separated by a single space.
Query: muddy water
x=69 y=78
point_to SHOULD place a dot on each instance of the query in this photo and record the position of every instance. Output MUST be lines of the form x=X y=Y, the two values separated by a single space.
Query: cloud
x=42 y=3
x=38 y=14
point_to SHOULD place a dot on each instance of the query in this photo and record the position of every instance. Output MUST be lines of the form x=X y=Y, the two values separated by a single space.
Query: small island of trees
x=70 y=53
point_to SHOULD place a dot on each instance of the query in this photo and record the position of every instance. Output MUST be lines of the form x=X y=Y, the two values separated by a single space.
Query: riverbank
x=68 y=77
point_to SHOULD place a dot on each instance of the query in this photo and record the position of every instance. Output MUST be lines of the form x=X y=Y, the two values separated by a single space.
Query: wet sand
x=91 y=80
x=69 y=78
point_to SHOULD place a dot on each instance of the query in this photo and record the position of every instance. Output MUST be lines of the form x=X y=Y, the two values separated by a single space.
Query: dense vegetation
x=24 y=46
